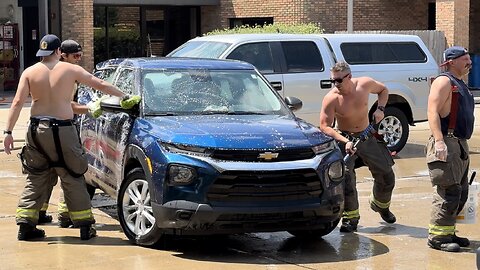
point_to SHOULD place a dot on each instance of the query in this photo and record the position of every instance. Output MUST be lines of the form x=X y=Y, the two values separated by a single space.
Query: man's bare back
x=51 y=87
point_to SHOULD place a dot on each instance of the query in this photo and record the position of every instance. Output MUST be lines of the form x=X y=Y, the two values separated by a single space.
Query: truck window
x=302 y=56
x=258 y=54
x=382 y=53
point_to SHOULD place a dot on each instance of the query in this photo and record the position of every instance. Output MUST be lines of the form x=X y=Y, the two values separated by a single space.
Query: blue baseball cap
x=453 y=52
x=48 y=45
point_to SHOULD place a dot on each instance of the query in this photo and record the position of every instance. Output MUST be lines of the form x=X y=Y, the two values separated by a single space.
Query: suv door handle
x=325 y=84
x=276 y=85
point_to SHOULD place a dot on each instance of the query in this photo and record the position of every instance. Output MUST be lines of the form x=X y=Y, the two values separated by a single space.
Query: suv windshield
x=201 y=49
x=200 y=91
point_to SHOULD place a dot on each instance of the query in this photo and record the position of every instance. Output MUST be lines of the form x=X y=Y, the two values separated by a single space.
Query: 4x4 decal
x=417 y=79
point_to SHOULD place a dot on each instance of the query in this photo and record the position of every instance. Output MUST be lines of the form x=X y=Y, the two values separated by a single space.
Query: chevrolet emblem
x=268 y=155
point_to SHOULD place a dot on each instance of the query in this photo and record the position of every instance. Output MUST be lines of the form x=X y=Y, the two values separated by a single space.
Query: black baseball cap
x=453 y=52
x=70 y=46
x=48 y=45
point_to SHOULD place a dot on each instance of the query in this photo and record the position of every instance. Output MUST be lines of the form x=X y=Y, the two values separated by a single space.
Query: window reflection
x=122 y=37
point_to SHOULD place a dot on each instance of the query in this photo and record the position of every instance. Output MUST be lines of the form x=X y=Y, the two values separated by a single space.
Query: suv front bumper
x=190 y=218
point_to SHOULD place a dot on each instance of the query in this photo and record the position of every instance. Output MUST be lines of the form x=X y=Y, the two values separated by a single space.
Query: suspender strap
x=58 y=148
x=453 y=111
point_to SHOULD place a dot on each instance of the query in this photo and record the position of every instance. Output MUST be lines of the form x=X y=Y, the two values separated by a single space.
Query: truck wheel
x=135 y=211
x=394 y=128
x=329 y=227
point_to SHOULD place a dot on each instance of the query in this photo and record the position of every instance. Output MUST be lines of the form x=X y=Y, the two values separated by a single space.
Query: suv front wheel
x=135 y=211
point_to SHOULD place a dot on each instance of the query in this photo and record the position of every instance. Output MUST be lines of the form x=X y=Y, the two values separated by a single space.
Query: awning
x=158 y=2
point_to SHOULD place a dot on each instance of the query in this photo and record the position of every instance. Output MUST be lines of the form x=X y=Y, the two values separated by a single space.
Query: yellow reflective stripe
x=81 y=215
x=441 y=230
x=62 y=207
x=378 y=203
x=44 y=207
x=351 y=214
x=27 y=213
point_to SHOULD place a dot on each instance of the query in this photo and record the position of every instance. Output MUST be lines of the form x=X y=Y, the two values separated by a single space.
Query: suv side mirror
x=294 y=103
x=112 y=104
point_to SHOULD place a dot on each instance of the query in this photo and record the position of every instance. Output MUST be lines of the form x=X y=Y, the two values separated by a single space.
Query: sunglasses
x=77 y=55
x=339 y=80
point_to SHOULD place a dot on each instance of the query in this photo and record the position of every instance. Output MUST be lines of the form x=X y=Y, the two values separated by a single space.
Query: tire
x=395 y=128
x=135 y=211
x=329 y=227
x=91 y=190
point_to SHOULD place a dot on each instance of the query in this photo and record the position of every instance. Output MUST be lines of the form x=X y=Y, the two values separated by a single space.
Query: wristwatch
x=8 y=132
x=381 y=108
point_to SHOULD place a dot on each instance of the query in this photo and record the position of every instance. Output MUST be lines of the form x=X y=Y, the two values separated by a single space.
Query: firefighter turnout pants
x=53 y=149
x=376 y=156
x=450 y=182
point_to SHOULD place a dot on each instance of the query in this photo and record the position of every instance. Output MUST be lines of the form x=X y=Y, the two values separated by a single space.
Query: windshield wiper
x=161 y=114
x=246 y=113
x=231 y=113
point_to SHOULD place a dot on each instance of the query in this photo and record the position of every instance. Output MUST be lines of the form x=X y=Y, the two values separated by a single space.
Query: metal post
x=350 y=16
x=42 y=18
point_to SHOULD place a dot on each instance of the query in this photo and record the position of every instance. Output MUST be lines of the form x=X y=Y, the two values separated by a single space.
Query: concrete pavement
x=376 y=245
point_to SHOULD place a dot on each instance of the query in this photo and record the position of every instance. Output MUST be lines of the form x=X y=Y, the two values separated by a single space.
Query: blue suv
x=211 y=149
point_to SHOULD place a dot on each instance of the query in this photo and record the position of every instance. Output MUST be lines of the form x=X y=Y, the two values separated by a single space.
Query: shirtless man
x=347 y=102
x=52 y=144
x=71 y=52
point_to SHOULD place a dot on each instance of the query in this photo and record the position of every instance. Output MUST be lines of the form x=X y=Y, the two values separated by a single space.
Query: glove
x=441 y=150
x=128 y=101
x=94 y=107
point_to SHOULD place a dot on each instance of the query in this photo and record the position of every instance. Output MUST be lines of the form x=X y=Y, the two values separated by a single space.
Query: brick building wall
x=445 y=18
x=77 y=24
x=458 y=19
x=462 y=22
x=285 y=11
x=331 y=15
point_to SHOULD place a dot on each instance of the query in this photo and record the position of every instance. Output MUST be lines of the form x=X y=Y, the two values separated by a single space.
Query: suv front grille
x=253 y=155
x=265 y=186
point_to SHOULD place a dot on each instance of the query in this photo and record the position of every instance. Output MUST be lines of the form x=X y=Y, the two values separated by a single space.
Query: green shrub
x=302 y=28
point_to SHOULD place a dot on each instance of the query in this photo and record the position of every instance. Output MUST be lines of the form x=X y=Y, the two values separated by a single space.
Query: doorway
x=30 y=35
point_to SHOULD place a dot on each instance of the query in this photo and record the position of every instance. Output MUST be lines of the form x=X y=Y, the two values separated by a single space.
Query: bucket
x=468 y=215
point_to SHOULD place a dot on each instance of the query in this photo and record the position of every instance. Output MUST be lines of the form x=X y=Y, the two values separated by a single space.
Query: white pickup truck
x=299 y=65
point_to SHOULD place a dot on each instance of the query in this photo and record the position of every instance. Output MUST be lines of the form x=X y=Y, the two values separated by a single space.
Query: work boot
x=28 y=232
x=443 y=243
x=461 y=241
x=349 y=225
x=64 y=222
x=385 y=213
x=44 y=218
x=87 y=232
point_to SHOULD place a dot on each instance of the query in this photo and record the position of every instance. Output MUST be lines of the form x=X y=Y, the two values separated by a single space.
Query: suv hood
x=233 y=132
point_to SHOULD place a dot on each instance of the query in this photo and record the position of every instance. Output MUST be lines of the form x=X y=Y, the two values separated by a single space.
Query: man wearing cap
x=71 y=52
x=451 y=120
x=52 y=147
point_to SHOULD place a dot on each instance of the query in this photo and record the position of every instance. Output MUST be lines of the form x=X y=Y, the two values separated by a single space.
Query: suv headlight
x=324 y=148
x=336 y=170
x=186 y=149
